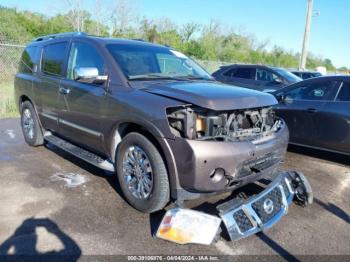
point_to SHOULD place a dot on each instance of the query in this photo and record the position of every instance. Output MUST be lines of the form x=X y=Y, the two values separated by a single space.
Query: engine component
x=239 y=125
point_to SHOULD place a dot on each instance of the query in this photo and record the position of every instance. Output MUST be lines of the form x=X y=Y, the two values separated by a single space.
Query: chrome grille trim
x=232 y=225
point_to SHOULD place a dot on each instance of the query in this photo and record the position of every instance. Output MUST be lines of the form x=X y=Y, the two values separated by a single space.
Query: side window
x=307 y=76
x=27 y=60
x=265 y=75
x=53 y=59
x=246 y=73
x=312 y=91
x=344 y=94
x=230 y=72
x=84 y=55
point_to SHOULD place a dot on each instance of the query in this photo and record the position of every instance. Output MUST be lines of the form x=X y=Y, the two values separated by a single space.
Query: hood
x=212 y=95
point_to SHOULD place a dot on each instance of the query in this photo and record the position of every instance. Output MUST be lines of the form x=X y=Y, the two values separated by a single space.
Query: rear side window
x=264 y=75
x=27 y=60
x=322 y=90
x=230 y=72
x=307 y=76
x=53 y=59
x=246 y=73
x=344 y=94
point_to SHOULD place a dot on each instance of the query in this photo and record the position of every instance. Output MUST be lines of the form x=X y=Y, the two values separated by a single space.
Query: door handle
x=311 y=110
x=64 y=90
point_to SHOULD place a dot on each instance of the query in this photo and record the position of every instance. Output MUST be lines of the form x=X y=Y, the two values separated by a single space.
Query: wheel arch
x=23 y=98
x=153 y=134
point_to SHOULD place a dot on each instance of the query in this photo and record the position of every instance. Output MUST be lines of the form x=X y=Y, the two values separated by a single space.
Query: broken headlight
x=184 y=226
x=197 y=123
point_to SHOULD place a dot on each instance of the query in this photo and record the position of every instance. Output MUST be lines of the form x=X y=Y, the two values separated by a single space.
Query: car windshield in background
x=148 y=62
x=288 y=75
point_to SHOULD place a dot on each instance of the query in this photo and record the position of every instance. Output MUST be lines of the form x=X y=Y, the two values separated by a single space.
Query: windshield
x=288 y=75
x=140 y=62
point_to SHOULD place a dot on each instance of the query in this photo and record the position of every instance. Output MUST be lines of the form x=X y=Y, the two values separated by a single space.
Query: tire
x=159 y=194
x=31 y=129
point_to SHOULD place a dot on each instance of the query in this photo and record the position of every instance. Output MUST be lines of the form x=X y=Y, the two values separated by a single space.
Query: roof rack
x=139 y=39
x=53 y=36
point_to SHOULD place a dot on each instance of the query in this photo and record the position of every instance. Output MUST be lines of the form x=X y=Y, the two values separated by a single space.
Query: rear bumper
x=264 y=210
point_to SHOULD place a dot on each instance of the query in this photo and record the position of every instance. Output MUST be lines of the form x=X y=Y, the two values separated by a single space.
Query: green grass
x=7 y=101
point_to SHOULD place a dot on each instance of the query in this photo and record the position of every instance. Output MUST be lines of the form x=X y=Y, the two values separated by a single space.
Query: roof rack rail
x=53 y=36
x=139 y=39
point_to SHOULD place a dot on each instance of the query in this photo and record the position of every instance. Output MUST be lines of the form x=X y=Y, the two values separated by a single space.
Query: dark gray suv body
x=167 y=135
x=257 y=77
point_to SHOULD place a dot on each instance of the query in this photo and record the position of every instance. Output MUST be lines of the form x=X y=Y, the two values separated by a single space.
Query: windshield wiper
x=192 y=77
x=166 y=77
x=150 y=77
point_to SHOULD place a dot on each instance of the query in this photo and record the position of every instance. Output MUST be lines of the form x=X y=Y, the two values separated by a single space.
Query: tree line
x=213 y=41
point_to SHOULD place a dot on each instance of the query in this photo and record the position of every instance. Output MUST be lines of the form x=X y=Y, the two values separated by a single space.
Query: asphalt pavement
x=53 y=203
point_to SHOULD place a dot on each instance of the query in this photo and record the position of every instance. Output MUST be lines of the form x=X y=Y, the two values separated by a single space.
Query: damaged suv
x=157 y=119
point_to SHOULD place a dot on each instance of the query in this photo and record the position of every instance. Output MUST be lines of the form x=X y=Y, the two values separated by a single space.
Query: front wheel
x=30 y=125
x=142 y=174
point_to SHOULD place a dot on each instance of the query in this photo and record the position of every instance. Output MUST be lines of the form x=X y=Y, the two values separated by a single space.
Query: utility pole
x=303 y=58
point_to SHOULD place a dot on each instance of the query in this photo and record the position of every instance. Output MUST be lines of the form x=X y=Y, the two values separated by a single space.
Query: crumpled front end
x=221 y=151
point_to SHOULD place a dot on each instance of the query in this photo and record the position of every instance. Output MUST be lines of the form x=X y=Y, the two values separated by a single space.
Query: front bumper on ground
x=241 y=218
x=267 y=208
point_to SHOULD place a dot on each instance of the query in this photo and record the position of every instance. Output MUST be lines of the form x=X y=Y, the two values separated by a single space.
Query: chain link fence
x=212 y=66
x=9 y=57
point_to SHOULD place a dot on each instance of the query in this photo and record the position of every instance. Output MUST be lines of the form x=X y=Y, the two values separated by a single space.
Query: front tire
x=30 y=125
x=142 y=174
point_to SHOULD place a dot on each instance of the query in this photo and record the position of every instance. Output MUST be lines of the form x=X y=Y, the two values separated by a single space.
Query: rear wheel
x=142 y=174
x=30 y=125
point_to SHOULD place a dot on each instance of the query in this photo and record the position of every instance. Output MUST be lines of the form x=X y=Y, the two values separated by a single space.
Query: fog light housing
x=217 y=175
x=184 y=226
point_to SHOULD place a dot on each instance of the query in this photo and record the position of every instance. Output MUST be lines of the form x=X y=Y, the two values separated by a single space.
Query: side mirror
x=280 y=98
x=278 y=81
x=35 y=68
x=88 y=75
x=284 y=99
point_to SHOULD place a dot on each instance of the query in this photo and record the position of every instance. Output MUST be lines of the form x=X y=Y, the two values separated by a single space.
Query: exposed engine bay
x=238 y=125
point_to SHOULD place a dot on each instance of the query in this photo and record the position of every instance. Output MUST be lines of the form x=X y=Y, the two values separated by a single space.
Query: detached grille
x=285 y=189
x=276 y=197
x=262 y=211
x=242 y=221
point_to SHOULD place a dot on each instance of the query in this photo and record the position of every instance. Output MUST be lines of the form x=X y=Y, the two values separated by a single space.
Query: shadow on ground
x=110 y=177
x=325 y=155
x=333 y=209
x=22 y=245
x=276 y=247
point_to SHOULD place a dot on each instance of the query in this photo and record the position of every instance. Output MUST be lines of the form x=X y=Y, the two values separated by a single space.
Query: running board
x=80 y=153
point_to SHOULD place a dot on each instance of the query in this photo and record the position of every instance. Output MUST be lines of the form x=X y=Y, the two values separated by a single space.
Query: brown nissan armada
x=159 y=121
